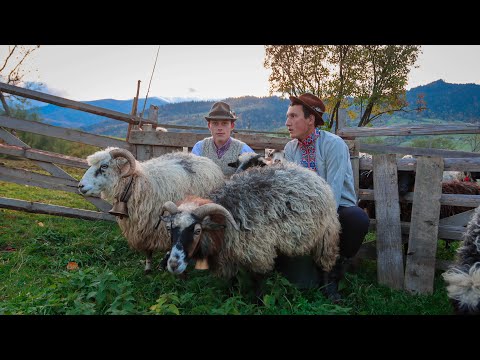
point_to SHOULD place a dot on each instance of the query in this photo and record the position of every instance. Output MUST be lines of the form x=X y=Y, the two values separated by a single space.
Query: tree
x=13 y=61
x=371 y=78
x=385 y=76
x=12 y=67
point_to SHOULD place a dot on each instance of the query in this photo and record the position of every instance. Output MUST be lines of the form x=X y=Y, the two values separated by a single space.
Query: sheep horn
x=127 y=155
x=170 y=207
x=210 y=209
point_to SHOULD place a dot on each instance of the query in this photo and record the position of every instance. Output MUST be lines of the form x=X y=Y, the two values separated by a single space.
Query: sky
x=91 y=72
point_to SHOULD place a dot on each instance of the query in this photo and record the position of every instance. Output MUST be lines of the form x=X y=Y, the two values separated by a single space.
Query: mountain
x=59 y=116
x=451 y=102
x=444 y=101
x=255 y=113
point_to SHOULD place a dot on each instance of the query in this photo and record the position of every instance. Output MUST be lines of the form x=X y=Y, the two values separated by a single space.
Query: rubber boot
x=300 y=271
x=331 y=280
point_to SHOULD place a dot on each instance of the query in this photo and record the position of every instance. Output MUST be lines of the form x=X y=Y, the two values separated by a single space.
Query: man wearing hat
x=328 y=155
x=221 y=147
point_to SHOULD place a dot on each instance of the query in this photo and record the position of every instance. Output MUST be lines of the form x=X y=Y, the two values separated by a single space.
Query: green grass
x=34 y=279
x=36 y=249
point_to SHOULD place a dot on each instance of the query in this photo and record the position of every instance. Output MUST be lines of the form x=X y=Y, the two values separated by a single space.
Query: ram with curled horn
x=138 y=189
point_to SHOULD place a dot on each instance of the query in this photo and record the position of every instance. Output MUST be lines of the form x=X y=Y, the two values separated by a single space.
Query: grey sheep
x=282 y=208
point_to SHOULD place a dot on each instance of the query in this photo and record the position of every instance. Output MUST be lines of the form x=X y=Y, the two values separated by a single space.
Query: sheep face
x=192 y=238
x=275 y=156
x=196 y=231
x=185 y=231
x=106 y=168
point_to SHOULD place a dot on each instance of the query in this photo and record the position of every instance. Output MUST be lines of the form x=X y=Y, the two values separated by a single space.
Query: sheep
x=168 y=177
x=250 y=159
x=282 y=209
x=453 y=175
x=275 y=156
x=463 y=277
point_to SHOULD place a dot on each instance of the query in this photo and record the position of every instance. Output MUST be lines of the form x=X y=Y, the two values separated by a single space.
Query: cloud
x=39 y=86
x=192 y=90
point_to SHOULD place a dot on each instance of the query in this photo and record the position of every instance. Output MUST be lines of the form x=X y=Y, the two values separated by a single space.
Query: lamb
x=250 y=159
x=270 y=210
x=463 y=278
x=169 y=177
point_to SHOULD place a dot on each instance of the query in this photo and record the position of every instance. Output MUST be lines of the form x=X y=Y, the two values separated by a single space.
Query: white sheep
x=168 y=177
x=281 y=209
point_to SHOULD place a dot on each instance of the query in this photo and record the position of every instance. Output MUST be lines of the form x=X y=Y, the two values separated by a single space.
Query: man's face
x=221 y=130
x=298 y=126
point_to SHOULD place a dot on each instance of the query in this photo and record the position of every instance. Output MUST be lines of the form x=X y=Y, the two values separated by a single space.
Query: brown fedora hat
x=221 y=111
x=312 y=102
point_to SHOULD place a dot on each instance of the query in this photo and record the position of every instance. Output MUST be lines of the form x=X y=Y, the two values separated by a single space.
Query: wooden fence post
x=422 y=244
x=389 y=233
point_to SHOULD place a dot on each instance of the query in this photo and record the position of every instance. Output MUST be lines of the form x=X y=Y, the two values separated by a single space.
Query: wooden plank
x=61 y=133
x=52 y=169
x=390 y=149
x=355 y=161
x=206 y=131
x=445 y=199
x=389 y=235
x=189 y=139
x=410 y=130
x=144 y=152
x=4 y=104
x=422 y=243
x=461 y=219
x=39 y=208
x=34 y=154
x=76 y=105
x=161 y=150
x=47 y=166
x=444 y=231
x=164 y=138
x=26 y=177
x=450 y=164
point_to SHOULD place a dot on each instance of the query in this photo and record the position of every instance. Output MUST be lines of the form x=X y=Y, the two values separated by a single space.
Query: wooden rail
x=387 y=149
x=71 y=104
x=409 y=130
x=188 y=139
x=39 y=208
x=62 y=133
x=34 y=154
x=450 y=164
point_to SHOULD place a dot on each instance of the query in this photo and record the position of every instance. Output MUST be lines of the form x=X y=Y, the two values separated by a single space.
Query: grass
x=36 y=250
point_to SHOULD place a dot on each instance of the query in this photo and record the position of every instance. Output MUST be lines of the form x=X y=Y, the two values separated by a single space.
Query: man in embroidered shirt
x=221 y=147
x=326 y=154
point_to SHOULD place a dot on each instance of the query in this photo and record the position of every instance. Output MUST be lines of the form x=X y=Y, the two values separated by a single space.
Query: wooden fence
x=413 y=273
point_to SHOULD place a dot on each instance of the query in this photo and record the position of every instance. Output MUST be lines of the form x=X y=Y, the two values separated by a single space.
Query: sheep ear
x=208 y=224
x=233 y=164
